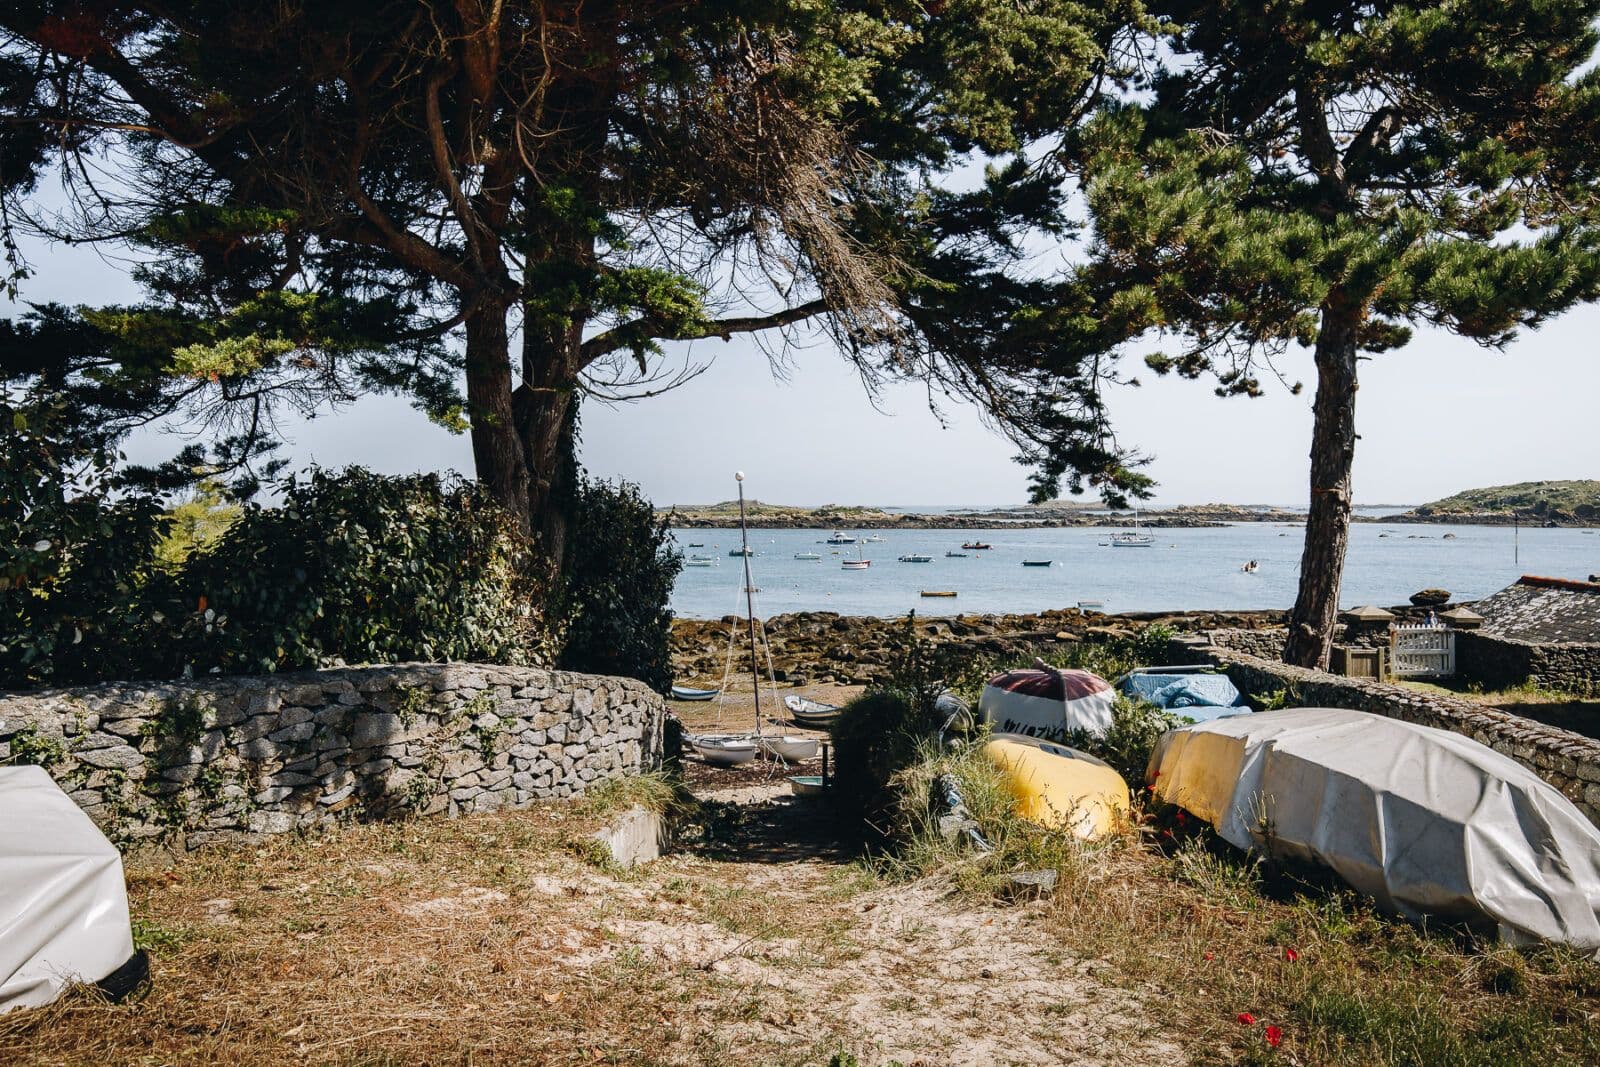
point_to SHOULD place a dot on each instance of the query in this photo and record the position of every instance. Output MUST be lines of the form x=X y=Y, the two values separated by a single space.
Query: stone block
x=120 y=756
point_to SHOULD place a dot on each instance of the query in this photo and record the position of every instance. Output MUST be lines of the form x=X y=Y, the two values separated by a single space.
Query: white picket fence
x=1422 y=650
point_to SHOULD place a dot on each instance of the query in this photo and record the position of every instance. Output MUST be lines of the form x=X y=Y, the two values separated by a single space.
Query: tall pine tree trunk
x=546 y=423
x=497 y=452
x=1333 y=450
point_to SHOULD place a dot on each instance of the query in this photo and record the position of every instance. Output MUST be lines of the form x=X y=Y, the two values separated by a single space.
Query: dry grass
x=1210 y=933
x=491 y=940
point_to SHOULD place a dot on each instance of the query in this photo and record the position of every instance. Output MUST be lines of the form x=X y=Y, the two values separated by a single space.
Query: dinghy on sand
x=811 y=713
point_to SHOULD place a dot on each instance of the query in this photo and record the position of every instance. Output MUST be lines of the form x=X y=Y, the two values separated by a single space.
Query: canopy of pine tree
x=325 y=192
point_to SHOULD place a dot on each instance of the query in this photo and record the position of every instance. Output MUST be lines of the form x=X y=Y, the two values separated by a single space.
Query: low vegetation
x=1248 y=958
x=1559 y=501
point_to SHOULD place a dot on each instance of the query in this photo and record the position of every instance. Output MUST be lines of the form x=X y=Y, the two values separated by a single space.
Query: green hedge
x=361 y=568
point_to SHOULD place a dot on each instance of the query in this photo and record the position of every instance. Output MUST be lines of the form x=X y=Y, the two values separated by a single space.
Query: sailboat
x=731 y=750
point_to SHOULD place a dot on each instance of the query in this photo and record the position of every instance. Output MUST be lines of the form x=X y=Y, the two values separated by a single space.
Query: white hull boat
x=723 y=751
x=788 y=748
x=810 y=712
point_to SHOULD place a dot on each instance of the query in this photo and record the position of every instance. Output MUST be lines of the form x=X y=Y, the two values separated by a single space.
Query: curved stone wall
x=190 y=763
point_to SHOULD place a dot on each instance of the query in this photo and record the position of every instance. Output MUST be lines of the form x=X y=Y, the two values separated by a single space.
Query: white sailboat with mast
x=730 y=750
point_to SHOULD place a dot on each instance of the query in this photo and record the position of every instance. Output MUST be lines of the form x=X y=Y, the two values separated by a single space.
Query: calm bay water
x=1185 y=570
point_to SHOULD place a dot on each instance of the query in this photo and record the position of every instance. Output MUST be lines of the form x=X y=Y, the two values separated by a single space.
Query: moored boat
x=1131 y=539
x=807 y=556
x=937 y=592
x=1038 y=563
x=856 y=564
x=808 y=712
x=788 y=748
x=840 y=538
x=916 y=558
x=977 y=546
x=722 y=751
x=745 y=551
x=691 y=562
x=955 y=555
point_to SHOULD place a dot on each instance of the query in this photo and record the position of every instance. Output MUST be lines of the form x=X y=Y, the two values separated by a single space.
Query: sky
x=1436 y=417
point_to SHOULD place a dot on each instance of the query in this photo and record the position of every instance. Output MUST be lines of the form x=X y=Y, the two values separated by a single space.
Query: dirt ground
x=494 y=939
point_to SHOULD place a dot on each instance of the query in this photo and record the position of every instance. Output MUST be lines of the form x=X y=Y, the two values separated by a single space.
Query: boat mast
x=749 y=603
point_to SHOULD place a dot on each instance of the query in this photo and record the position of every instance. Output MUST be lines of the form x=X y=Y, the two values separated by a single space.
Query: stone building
x=1544 y=630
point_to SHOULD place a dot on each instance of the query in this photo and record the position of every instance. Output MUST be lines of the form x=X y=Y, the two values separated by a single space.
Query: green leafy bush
x=875 y=737
x=619 y=575
x=76 y=562
x=361 y=568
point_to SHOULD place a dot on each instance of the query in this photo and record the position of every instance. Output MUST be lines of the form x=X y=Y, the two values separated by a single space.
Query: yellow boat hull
x=1060 y=787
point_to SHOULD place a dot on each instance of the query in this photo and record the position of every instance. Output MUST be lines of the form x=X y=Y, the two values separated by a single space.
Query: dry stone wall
x=191 y=763
x=1568 y=761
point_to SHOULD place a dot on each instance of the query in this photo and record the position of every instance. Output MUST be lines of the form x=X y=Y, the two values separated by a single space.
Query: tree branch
x=1384 y=124
x=646 y=329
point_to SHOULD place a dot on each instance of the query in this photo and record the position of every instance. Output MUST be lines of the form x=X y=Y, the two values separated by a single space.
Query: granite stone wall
x=1497 y=662
x=1568 y=761
x=191 y=763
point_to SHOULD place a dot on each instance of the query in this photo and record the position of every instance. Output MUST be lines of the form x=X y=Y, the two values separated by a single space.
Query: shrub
x=358 y=567
x=618 y=580
x=76 y=562
x=875 y=737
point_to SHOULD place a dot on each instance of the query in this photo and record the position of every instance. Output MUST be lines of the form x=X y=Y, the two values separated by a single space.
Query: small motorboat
x=789 y=749
x=838 y=538
x=1038 y=563
x=697 y=544
x=937 y=592
x=977 y=546
x=741 y=551
x=1091 y=605
x=692 y=562
x=809 y=556
x=1059 y=787
x=683 y=692
x=725 y=751
x=812 y=713
x=875 y=539
x=955 y=555
x=916 y=558
x=856 y=564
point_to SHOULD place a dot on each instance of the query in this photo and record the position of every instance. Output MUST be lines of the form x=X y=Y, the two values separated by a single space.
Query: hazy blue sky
x=1438 y=416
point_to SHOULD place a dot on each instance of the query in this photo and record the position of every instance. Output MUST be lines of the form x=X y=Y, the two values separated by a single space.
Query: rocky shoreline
x=815 y=647
x=1184 y=517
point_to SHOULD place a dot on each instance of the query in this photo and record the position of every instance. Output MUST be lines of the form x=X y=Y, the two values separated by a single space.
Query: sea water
x=1185 y=569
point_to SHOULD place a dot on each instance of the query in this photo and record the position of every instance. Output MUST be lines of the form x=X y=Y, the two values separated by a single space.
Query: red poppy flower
x=1246 y=1019
x=1211 y=955
x=1274 y=1036
x=1290 y=954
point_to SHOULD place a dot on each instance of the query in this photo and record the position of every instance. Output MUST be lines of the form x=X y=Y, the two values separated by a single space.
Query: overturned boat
x=1043 y=701
x=63 y=901
x=1059 y=787
x=1426 y=822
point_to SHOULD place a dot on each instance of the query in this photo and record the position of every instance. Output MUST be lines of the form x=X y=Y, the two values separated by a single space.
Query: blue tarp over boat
x=1196 y=697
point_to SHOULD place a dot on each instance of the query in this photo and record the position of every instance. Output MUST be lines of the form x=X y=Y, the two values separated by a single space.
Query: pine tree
x=1329 y=175
x=325 y=191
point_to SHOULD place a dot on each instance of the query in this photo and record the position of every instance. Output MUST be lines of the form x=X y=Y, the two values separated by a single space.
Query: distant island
x=1056 y=513
x=1552 y=503
x=1572 y=503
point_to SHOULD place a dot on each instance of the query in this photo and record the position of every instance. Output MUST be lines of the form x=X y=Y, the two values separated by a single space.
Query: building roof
x=1543 y=611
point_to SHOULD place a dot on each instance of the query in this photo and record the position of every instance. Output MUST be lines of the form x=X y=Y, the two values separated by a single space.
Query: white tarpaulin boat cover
x=63 y=902
x=1046 y=702
x=1426 y=821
